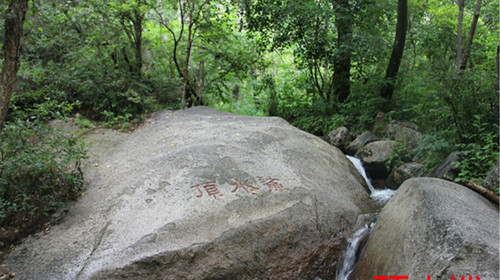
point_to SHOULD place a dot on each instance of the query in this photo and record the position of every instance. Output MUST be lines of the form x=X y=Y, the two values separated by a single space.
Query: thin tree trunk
x=497 y=87
x=342 y=61
x=185 y=87
x=461 y=6
x=138 y=41
x=200 y=87
x=397 y=50
x=470 y=38
x=14 y=18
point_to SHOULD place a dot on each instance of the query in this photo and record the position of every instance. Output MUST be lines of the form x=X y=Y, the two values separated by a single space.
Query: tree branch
x=490 y=195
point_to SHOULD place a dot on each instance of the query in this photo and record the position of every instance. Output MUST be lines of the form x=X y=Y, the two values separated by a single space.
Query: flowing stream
x=381 y=196
x=357 y=241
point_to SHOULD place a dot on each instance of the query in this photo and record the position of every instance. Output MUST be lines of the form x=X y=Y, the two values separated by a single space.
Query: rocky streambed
x=201 y=194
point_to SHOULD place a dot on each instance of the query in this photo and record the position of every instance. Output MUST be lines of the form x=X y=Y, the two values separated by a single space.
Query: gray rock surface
x=403 y=133
x=201 y=194
x=360 y=141
x=492 y=180
x=403 y=173
x=448 y=169
x=437 y=228
x=374 y=156
x=339 y=137
x=379 y=123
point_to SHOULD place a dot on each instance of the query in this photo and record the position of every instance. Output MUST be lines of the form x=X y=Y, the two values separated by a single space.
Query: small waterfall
x=352 y=252
x=381 y=196
x=356 y=243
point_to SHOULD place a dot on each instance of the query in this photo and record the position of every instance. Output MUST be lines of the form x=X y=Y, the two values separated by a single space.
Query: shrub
x=432 y=149
x=39 y=171
x=480 y=154
x=401 y=154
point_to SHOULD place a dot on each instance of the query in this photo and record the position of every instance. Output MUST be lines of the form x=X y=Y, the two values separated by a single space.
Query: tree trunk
x=134 y=34
x=138 y=41
x=185 y=88
x=200 y=87
x=14 y=18
x=470 y=38
x=461 y=6
x=342 y=61
x=497 y=86
x=397 y=50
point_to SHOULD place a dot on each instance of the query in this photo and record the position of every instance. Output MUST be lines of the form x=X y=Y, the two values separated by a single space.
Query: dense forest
x=319 y=64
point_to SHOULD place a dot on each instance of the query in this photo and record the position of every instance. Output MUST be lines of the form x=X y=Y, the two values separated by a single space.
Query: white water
x=352 y=251
x=350 y=254
x=379 y=195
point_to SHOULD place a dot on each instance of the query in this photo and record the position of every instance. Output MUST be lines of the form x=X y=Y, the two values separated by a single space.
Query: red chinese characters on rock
x=272 y=184
x=243 y=186
x=212 y=190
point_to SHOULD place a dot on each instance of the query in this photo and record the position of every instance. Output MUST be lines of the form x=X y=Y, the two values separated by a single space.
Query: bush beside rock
x=448 y=169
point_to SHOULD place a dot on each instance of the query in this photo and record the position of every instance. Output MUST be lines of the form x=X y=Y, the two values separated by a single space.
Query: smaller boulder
x=403 y=173
x=448 y=169
x=374 y=157
x=339 y=137
x=492 y=180
x=358 y=143
x=403 y=132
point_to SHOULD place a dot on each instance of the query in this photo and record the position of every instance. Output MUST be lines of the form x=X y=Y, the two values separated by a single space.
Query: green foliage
x=432 y=149
x=264 y=57
x=401 y=154
x=39 y=170
x=39 y=99
x=318 y=124
x=480 y=153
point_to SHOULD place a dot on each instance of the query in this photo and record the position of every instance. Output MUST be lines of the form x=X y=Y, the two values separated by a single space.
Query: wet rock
x=374 y=157
x=201 y=194
x=433 y=227
x=360 y=141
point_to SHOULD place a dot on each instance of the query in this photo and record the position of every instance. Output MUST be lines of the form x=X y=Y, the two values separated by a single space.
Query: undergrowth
x=39 y=172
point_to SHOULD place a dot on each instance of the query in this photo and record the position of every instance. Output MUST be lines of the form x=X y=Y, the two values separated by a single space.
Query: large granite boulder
x=437 y=228
x=375 y=156
x=200 y=194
